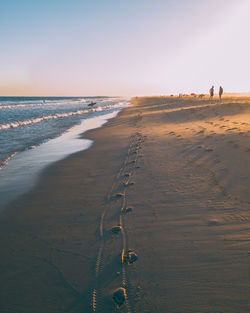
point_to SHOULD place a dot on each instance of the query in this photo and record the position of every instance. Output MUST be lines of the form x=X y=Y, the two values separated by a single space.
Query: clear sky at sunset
x=123 y=47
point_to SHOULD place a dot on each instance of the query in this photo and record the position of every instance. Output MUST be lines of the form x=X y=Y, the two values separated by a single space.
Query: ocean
x=36 y=131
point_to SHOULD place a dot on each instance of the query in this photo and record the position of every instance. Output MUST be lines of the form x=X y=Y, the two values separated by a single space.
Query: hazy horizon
x=142 y=47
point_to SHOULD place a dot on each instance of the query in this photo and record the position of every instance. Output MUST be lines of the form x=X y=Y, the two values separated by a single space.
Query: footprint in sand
x=128 y=209
x=118 y=195
x=213 y=222
x=119 y=296
x=130 y=257
x=116 y=229
x=127 y=184
x=201 y=132
x=209 y=149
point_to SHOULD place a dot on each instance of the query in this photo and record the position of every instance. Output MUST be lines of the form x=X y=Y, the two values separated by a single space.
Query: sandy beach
x=173 y=173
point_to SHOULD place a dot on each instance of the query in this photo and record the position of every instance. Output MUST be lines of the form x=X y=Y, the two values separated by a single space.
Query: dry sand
x=174 y=174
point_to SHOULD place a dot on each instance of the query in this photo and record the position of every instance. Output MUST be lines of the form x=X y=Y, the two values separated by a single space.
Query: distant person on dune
x=211 y=92
x=220 y=92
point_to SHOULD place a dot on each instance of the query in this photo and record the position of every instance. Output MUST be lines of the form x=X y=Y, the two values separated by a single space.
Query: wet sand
x=174 y=175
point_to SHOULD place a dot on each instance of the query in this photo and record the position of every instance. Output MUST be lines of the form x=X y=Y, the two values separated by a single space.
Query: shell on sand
x=119 y=296
x=116 y=229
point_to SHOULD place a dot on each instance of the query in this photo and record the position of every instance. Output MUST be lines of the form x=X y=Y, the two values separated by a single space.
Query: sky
x=123 y=47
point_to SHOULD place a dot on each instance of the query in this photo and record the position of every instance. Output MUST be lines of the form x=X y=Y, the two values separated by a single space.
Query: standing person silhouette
x=220 y=92
x=211 y=92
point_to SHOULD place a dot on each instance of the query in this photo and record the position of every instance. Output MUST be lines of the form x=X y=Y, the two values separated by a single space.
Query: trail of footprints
x=226 y=218
x=122 y=181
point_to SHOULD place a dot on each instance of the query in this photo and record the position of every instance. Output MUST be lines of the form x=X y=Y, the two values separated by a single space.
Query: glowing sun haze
x=117 y=47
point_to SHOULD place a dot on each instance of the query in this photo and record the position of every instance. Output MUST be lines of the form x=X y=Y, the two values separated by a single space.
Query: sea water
x=37 y=131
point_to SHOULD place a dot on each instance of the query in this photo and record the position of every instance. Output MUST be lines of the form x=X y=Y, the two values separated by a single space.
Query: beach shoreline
x=172 y=174
x=21 y=172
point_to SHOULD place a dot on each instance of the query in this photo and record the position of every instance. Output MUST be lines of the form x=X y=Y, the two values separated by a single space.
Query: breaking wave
x=6 y=161
x=59 y=115
x=42 y=104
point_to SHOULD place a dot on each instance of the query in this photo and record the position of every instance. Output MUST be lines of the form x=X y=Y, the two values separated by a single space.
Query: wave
x=61 y=115
x=6 y=161
x=42 y=104
x=25 y=104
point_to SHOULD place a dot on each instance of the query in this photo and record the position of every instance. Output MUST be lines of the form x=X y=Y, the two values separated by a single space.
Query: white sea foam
x=22 y=172
x=42 y=104
x=61 y=115
x=6 y=161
